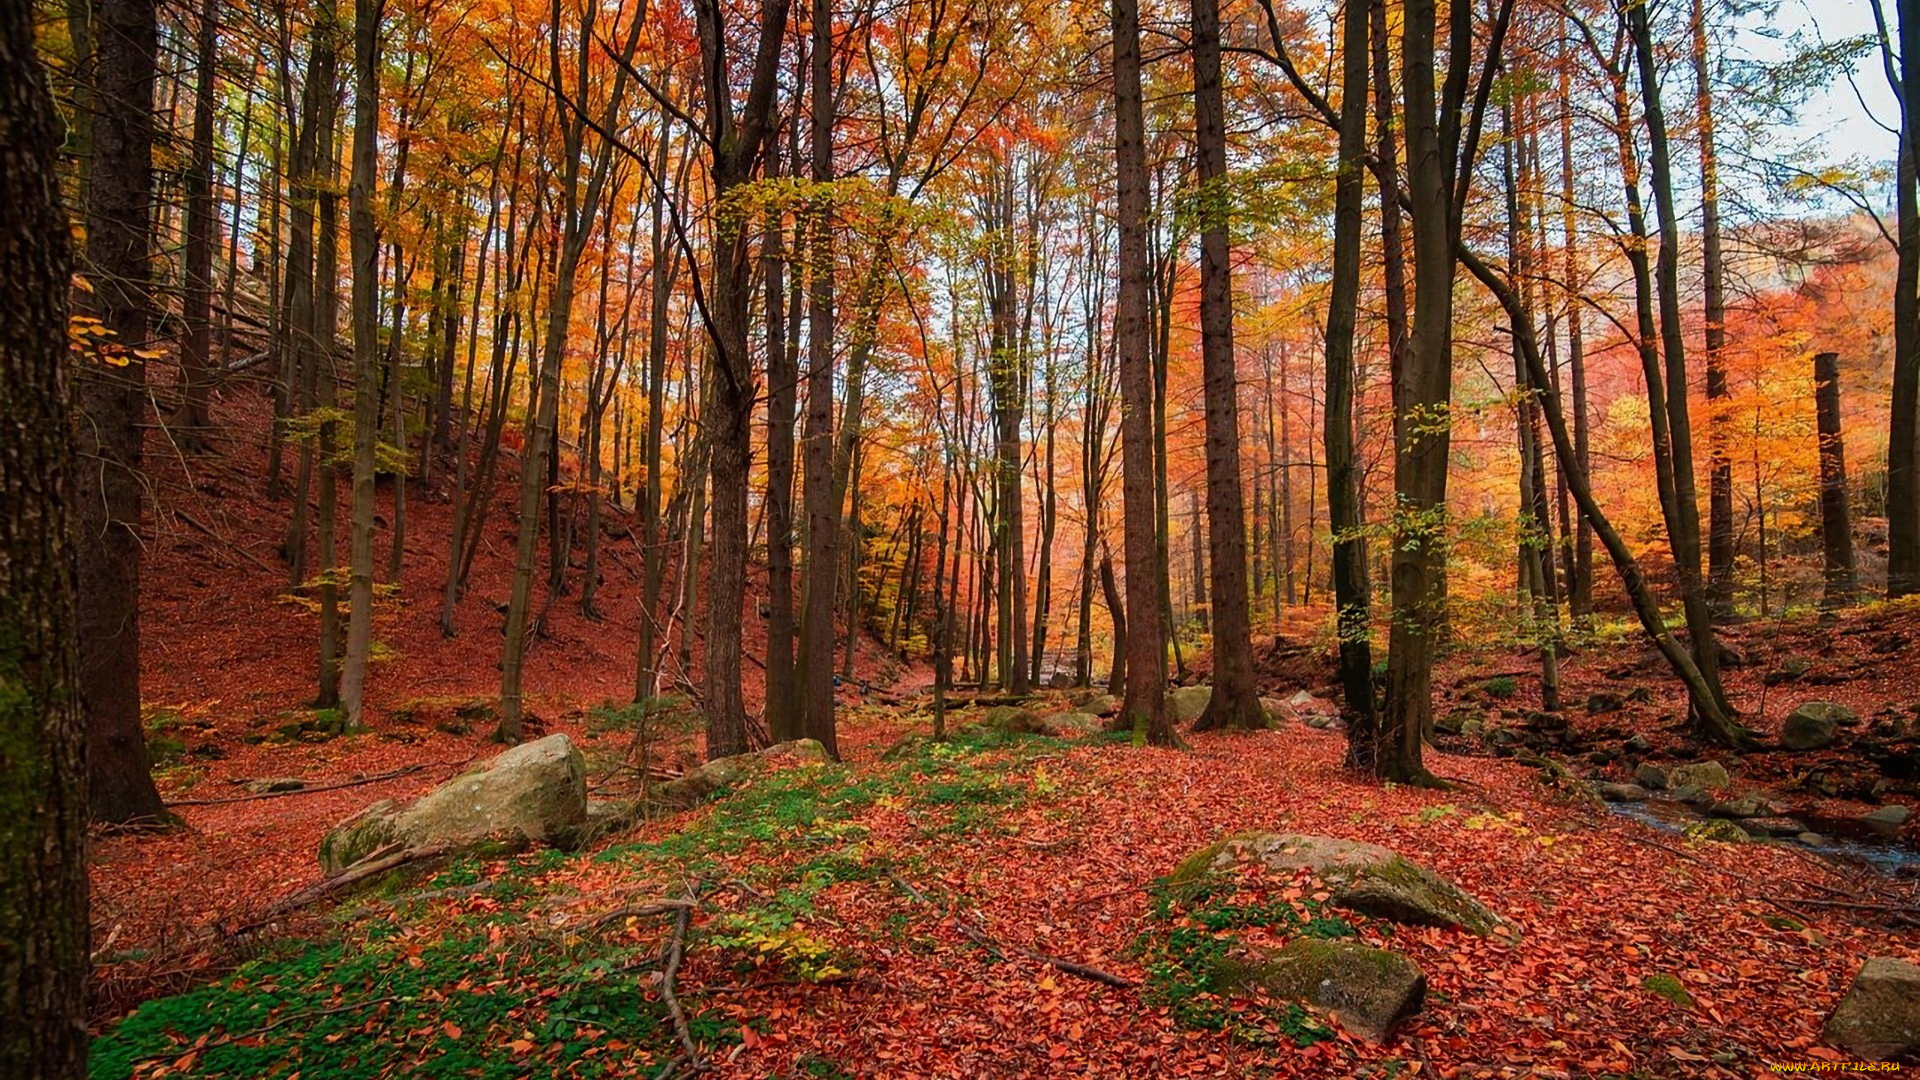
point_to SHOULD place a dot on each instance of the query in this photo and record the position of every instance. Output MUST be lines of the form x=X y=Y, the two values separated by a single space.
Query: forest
x=907 y=538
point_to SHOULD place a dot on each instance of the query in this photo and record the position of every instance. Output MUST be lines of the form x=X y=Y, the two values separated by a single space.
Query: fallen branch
x=656 y=907
x=376 y=862
x=676 y=951
x=987 y=941
x=374 y=779
x=230 y=545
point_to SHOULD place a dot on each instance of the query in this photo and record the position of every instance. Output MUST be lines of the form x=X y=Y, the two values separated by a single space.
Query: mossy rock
x=1070 y=724
x=1717 y=831
x=1368 y=990
x=708 y=780
x=1366 y=878
x=1186 y=703
x=1014 y=720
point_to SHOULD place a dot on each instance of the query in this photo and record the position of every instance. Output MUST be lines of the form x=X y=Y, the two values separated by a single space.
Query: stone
x=1067 y=725
x=1692 y=795
x=1744 y=806
x=1620 y=792
x=1606 y=701
x=1060 y=680
x=1651 y=776
x=1705 y=774
x=1186 y=703
x=1276 y=711
x=1879 y=1019
x=1812 y=839
x=1814 y=725
x=533 y=793
x=1368 y=991
x=704 y=782
x=274 y=785
x=1012 y=719
x=1887 y=820
x=1362 y=877
x=1317 y=721
x=1303 y=701
x=1772 y=826
x=1473 y=726
x=1717 y=831
x=1100 y=705
x=1790 y=670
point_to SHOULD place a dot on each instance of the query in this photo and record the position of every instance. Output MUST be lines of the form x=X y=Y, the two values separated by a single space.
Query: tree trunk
x=363 y=241
x=1235 y=703
x=818 y=588
x=1713 y=293
x=203 y=221
x=111 y=402
x=1903 y=421
x=1580 y=588
x=1836 y=525
x=43 y=771
x=1144 y=709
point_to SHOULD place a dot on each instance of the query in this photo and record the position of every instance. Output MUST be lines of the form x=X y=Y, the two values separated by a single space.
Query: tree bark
x=1903 y=423
x=111 y=401
x=43 y=773
x=203 y=221
x=1713 y=298
x=1144 y=707
x=363 y=241
x=1836 y=525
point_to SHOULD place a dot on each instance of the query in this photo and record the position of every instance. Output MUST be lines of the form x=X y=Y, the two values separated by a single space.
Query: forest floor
x=840 y=907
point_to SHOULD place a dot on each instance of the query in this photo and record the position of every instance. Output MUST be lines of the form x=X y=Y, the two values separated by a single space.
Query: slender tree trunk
x=1144 y=709
x=819 y=586
x=1713 y=295
x=1117 y=611
x=1235 y=703
x=111 y=402
x=203 y=221
x=43 y=849
x=1352 y=588
x=364 y=244
x=783 y=711
x=323 y=311
x=1903 y=421
x=1580 y=591
x=1685 y=528
x=1836 y=525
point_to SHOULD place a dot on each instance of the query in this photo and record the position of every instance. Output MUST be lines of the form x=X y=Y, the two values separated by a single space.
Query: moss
x=1667 y=987
x=1716 y=830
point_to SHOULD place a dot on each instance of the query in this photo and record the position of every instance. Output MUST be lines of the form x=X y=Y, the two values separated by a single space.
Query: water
x=1845 y=840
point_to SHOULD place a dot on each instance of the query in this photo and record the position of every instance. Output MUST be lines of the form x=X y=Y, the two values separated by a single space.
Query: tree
x=112 y=400
x=1144 y=708
x=1903 y=420
x=43 y=866
x=363 y=242
x=819 y=493
x=735 y=136
x=1235 y=702
x=1836 y=525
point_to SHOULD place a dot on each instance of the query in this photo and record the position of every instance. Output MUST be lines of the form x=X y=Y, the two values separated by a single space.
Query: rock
x=1067 y=725
x=909 y=746
x=1887 y=820
x=1636 y=744
x=1186 y=703
x=1060 y=680
x=1620 y=792
x=1716 y=830
x=1692 y=795
x=1649 y=775
x=1276 y=711
x=1011 y=719
x=1772 y=826
x=702 y=783
x=1879 y=1019
x=1367 y=990
x=1814 y=725
x=1317 y=721
x=1745 y=806
x=1606 y=701
x=1305 y=702
x=1812 y=839
x=1705 y=774
x=533 y=793
x=1366 y=878
x=1100 y=705
x=274 y=785
x=611 y=815
x=1790 y=670
x=1473 y=726
x=1550 y=723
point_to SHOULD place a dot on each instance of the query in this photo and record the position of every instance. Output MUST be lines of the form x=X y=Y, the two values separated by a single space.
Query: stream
x=1840 y=838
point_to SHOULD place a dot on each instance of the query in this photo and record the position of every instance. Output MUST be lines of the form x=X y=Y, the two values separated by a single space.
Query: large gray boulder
x=1186 y=703
x=1701 y=774
x=1069 y=724
x=1367 y=990
x=1363 y=877
x=1879 y=1019
x=1814 y=725
x=534 y=793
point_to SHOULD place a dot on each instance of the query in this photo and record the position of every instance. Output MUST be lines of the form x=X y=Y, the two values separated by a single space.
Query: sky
x=1843 y=115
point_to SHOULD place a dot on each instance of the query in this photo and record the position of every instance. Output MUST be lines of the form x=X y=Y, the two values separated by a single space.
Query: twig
x=656 y=907
x=676 y=951
x=987 y=941
x=182 y=1051
x=231 y=545
x=374 y=779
